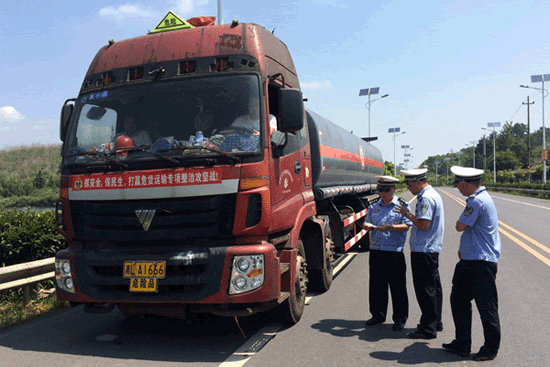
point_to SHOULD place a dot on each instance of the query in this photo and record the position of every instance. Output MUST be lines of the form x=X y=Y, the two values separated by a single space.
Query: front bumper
x=193 y=275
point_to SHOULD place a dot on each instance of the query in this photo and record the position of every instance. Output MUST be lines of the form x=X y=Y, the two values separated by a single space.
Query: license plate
x=145 y=269
x=143 y=285
x=144 y=275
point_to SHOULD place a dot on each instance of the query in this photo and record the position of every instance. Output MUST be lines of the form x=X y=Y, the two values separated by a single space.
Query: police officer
x=386 y=260
x=426 y=241
x=475 y=273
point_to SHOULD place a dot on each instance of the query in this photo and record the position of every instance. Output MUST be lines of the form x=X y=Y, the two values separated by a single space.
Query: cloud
x=125 y=11
x=334 y=3
x=180 y=7
x=315 y=85
x=183 y=6
x=10 y=114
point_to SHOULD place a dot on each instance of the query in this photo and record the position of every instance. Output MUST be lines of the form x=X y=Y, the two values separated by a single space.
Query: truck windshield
x=175 y=118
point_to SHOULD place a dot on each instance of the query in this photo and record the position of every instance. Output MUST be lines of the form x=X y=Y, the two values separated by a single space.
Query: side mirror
x=66 y=112
x=291 y=110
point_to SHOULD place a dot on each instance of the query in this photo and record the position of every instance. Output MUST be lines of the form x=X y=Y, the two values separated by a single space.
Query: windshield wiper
x=232 y=158
x=110 y=161
x=165 y=158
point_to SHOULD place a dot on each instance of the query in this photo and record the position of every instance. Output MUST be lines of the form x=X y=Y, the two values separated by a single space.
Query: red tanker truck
x=193 y=180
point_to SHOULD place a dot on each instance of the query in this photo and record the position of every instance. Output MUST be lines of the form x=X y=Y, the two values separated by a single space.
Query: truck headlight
x=63 y=275
x=247 y=273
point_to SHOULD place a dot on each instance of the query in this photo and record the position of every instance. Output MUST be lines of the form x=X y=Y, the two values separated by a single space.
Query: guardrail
x=531 y=191
x=23 y=275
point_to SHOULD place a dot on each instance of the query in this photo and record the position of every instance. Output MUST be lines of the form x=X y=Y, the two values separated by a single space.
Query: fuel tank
x=339 y=158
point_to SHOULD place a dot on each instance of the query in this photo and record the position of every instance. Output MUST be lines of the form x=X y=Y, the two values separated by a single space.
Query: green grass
x=14 y=311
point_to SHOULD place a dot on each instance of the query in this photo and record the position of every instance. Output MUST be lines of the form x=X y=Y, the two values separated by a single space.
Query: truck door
x=290 y=171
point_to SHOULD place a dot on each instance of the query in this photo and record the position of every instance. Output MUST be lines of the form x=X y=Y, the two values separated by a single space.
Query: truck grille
x=175 y=219
x=188 y=278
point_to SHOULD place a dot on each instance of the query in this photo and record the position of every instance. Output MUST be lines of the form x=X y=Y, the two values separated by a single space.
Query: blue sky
x=449 y=67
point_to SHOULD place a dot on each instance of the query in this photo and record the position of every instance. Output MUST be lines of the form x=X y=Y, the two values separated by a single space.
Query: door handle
x=297 y=167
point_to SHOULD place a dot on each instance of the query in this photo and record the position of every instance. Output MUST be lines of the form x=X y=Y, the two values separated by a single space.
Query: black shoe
x=458 y=348
x=484 y=355
x=419 y=334
x=439 y=326
x=373 y=321
x=398 y=326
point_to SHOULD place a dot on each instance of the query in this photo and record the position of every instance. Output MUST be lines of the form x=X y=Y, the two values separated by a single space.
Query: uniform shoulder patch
x=468 y=211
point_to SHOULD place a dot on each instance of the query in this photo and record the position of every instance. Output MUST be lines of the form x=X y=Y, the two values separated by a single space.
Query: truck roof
x=199 y=42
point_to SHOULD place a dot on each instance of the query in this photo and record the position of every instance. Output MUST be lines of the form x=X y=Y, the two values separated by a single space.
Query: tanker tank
x=340 y=161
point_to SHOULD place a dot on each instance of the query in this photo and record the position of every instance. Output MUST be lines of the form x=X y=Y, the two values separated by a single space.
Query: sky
x=449 y=67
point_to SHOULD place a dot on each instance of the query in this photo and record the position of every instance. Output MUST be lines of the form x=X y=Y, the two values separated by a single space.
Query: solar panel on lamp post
x=539 y=79
x=368 y=92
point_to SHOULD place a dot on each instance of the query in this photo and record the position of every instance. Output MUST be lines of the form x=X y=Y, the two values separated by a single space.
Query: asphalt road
x=332 y=331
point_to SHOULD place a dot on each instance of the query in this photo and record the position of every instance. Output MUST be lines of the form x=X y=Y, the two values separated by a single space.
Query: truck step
x=283 y=267
x=283 y=296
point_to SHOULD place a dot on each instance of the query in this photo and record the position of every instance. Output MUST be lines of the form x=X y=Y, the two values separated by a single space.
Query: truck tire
x=321 y=279
x=293 y=307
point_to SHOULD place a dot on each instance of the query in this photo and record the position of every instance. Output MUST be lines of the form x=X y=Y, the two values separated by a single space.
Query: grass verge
x=14 y=311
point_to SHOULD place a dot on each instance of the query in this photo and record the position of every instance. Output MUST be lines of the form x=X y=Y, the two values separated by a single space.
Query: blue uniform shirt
x=480 y=240
x=429 y=206
x=379 y=214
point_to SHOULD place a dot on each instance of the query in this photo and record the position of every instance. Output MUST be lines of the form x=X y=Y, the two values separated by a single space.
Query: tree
x=389 y=169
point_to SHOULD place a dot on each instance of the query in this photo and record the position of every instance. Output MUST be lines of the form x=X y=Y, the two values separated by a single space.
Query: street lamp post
x=368 y=92
x=538 y=79
x=395 y=130
x=436 y=163
x=405 y=154
x=474 y=143
x=528 y=138
x=493 y=125
x=484 y=152
x=446 y=159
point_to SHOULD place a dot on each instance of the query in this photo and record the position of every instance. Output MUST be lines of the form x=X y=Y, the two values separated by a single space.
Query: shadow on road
x=419 y=353
x=73 y=332
x=416 y=353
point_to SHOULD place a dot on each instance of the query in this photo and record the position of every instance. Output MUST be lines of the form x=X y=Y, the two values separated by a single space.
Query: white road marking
x=257 y=342
x=251 y=346
x=520 y=202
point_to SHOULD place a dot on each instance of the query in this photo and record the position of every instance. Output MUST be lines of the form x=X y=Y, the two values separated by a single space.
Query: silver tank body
x=340 y=158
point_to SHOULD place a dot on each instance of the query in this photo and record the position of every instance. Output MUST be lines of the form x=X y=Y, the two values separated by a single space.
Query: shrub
x=27 y=236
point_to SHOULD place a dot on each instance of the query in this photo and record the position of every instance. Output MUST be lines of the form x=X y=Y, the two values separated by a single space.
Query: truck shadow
x=73 y=332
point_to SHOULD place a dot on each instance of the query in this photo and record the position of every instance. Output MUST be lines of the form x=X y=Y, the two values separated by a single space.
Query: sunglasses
x=384 y=189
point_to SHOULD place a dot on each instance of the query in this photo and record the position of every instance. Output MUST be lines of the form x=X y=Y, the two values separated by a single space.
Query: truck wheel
x=321 y=279
x=293 y=308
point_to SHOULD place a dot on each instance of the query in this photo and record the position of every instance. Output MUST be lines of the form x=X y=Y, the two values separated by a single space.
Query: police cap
x=386 y=181
x=466 y=174
x=414 y=174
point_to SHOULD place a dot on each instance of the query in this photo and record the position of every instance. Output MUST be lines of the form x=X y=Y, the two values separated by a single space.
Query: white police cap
x=387 y=181
x=414 y=174
x=466 y=174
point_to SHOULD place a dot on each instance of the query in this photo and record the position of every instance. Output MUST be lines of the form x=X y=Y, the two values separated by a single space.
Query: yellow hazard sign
x=171 y=22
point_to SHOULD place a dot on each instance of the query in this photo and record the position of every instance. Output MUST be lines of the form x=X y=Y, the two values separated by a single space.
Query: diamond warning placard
x=171 y=22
